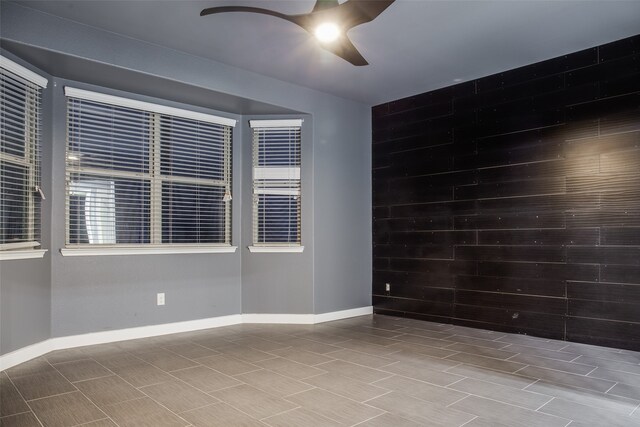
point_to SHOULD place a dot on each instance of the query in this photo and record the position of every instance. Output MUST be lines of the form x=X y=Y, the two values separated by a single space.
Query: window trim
x=151 y=248
x=271 y=248
x=87 y=95
x=257 y=247
x=22 y=254
x=23 y=72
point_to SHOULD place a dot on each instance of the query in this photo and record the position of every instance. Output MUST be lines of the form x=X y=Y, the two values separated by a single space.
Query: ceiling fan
x=329 y=21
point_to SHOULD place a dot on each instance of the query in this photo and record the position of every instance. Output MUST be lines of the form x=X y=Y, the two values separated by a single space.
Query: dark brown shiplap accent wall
x=512 y=202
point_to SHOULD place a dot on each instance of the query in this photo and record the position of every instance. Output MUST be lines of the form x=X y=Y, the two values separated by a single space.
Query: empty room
x=310 y=213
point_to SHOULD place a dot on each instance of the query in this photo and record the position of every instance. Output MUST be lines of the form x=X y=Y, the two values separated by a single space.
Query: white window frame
x=156 y=246
x=26 y=249
x=293 y=174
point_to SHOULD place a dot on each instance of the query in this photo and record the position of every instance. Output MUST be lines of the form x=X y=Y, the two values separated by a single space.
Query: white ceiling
x=413 y=47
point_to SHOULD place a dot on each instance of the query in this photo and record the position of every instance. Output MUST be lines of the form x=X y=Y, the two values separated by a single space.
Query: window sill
x=22 y=254
x=276 y=249
x=148 y=251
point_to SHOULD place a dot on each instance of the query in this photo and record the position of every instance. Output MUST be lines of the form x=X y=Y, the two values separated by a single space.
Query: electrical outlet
x=160 y=298
x=387 y=287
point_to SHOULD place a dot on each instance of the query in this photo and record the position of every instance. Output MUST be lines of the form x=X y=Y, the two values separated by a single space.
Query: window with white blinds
x=140 y=174
x=276 y=183
x=20 y=193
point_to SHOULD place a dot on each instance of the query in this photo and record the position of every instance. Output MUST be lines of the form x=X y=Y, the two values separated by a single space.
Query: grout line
x=472 y=419
x=376 y=397
x=529 y=385
x=609 y=389
x=461 y=399
x=590 y=372
x=545 y=403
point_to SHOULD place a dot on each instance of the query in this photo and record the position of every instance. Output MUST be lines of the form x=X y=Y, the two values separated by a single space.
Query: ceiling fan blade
x=356 y=12
x=345 y=50
x=224 y=9
x=324 y=4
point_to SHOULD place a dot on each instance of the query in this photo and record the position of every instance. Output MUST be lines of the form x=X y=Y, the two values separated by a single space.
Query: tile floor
x=371 y=371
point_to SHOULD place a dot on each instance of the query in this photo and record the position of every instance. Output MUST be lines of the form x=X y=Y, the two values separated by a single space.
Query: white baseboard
x=60 y=343
x=144 y=332
x=343 y=314
x=25 y=354
x=295 y=319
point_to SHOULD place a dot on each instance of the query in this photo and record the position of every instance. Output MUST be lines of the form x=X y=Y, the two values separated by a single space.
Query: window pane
x=14 y=196
x=108 y=137
x=277 y=147
x=13 y=113
x=278 y=219
x=108 y=210
x=192 y=214
x=192 y=149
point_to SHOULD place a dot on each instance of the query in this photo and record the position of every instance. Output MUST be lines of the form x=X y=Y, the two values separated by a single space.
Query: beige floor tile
x=178 y=396
x=220 y=415
x=567 y=379
x=66 y=410
x=300 y=417
x=486 y=362
x=108 y=390
x=228 y=365
x=618 y=404
x=404 y=350
x=143 y=413
x=246 y=354
x=190 y=350
x=347 y=387
x=32 y=367
x=512 y=396
x=390 y=420
x=369 y=348
x=10 y=400
x=351 y=370
x=81 y=370
x=46 y=384
x=420 y=411
x=205 y=379
x=288 y=368
x=502 y=412
x=359 y=358
x=489 y=375
x=254 y=402
x=67 y=355
x=312 y=346
x=273 y=383
x=344 y=411
x=166 y=360
x=302 y=356
x=421 y=390
x=101 y=423
x=142 y=375
x=26 y=419
x=422 y=373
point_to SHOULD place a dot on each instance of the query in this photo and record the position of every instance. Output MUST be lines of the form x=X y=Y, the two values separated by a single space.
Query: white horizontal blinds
x=108 y=180
x=195 y=176
x=20 y=114
x=276 y=183
x=137 y=177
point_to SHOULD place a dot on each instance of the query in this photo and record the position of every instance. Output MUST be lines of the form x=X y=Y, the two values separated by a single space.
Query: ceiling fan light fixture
x=327 y=32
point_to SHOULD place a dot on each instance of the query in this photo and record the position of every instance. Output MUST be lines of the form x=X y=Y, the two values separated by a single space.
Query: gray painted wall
x=288 y=276
x=25 y=291
x=342 y=205
x=96 y=293
x=334 y=272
